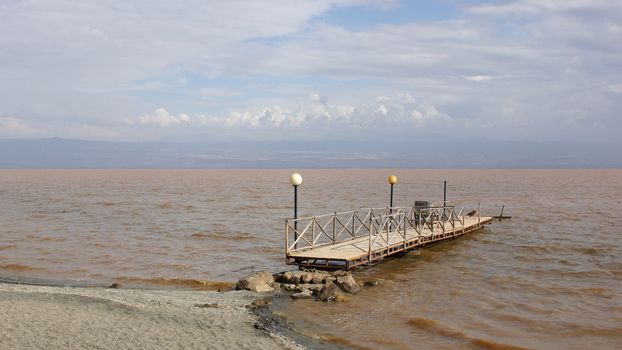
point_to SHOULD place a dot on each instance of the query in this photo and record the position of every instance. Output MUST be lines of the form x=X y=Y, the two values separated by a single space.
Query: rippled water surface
x=550 y=278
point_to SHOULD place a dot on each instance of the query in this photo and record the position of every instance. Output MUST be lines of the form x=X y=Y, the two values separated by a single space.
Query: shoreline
x=35 y=316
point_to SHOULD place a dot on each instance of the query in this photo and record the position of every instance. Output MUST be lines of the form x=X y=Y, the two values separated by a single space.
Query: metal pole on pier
x=392 y=181
x=295 y=180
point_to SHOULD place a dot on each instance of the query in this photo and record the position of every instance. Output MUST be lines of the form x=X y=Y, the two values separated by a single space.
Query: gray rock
x=329 y=292
x=329 y=279
x=308 y=286
x=292 y=277
x=316 y=288
x=307 y=277
x=306 y=294
x=207 y=305
x=313 y=276
x=318 y=278
x=257 y=282
x=288 y=287
x=280 y=277
x=370 y=283
x=348 y=284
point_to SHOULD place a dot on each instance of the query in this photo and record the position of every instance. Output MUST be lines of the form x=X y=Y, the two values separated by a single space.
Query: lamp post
x=295 y=180
x=392 y=181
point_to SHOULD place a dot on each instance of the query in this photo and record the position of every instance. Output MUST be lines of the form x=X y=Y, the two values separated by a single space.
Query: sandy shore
x=36 y=317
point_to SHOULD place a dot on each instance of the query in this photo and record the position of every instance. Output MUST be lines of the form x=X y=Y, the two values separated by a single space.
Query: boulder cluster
x=304 y=284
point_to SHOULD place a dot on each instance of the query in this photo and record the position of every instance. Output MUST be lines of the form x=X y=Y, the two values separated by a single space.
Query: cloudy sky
x=521 y=70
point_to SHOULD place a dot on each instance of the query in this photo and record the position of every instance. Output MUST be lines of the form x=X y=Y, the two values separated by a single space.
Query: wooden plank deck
x=351 y=253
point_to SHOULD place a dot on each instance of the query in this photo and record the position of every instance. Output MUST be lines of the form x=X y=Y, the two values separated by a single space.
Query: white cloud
x=428 y=114
x=382 y=110
x=477 y=78
x=162 y=118
x=615 y=88
x=316 y=114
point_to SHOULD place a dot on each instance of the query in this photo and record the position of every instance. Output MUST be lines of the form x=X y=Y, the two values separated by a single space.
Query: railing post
x=387 y=212
x=286 y=237
x=313 y=232
x=353 y=224
x=389 y=226
x=452 y=214
x=334 y=223
x=404 y=220
x=479 y=208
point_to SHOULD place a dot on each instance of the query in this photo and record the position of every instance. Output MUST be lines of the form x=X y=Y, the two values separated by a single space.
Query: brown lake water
x=549 y=278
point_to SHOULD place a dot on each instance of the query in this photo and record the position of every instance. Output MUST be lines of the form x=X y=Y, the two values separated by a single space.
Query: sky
x=317 y=71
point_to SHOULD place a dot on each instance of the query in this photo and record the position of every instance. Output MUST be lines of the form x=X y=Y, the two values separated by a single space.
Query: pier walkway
x=349 y=239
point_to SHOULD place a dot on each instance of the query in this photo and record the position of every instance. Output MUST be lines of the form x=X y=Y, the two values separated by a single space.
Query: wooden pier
x=349 y=239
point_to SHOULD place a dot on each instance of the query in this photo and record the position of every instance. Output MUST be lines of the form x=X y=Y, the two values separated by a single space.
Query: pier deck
x=347 y=240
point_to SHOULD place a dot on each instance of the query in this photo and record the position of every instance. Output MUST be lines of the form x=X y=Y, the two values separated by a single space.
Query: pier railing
x=381 y=226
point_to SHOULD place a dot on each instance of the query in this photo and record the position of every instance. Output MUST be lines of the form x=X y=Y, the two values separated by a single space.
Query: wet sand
x=38 y=317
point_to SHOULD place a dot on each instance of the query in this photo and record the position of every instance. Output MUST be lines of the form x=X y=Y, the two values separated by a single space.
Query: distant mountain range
x=63 y=153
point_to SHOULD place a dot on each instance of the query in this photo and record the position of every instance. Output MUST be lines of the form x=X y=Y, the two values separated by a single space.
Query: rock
x=329 y=292
x=306 y=277
x=308 y=286
x=258 y=282
x=329 y=279
x=262 y=288
x=348 y=284
x=316 y=288
x=340 y=273
x=207 y=305
x=306 y=294
x=370 y=284
x=300 y=288
x=288 y=287
x=276 y=285
x=313 y=276
x=114 y=286
x=282 y=277
x=292 y=277
x=319 y=277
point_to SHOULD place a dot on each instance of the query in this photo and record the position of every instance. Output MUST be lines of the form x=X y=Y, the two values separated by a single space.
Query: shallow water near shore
x=549 y=278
